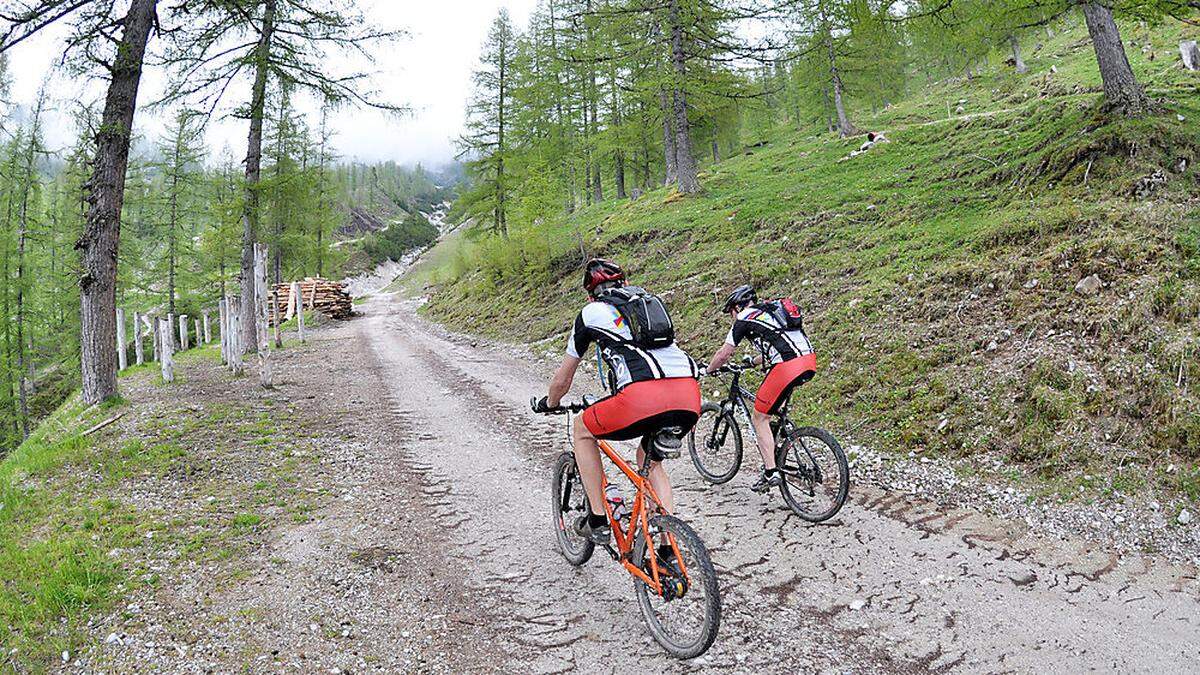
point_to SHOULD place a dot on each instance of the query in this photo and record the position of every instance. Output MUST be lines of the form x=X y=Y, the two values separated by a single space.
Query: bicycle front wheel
x=568 y=502
x=816 y=477
x=685 y=618
x=715 y=444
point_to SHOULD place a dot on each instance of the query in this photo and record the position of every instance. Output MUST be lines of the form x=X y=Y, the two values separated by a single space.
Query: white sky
x=428 y=71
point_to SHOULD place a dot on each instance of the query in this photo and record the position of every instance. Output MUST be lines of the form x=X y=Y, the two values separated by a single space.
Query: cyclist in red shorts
x=791 y=360
x=655 y=388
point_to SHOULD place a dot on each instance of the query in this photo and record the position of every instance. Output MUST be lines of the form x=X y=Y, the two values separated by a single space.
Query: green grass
x=71 y=546
x=912 y=258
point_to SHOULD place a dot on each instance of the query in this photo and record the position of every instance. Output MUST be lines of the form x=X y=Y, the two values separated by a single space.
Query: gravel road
x=895 y=583
x=428 y=547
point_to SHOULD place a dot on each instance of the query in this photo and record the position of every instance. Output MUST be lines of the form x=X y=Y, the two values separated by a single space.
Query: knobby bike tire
x=701 y=576
x=574 y=548
x=732 y=434
x=791 y=443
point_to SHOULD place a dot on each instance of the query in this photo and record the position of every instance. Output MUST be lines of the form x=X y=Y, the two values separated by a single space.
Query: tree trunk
x=716 y=151
x=844 y=127
x=671 y=174
x=1121 y=89
x=172 y=235
x=258 y=97
x=685 y=161
x=1016 y=52
x=106 y=190
x=619 y=177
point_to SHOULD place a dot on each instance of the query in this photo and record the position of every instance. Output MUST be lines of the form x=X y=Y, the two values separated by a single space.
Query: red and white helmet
x=600 y=271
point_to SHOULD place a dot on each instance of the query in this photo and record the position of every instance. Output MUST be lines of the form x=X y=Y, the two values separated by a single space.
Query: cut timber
x=327 y=297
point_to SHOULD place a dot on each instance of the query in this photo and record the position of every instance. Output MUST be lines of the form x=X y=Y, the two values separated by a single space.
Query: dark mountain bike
x=816 y=477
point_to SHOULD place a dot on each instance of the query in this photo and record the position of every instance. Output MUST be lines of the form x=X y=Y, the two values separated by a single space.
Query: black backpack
x=785 y=312
x=644 y=313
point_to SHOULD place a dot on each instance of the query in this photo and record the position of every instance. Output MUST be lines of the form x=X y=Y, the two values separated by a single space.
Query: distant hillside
x=939 y=270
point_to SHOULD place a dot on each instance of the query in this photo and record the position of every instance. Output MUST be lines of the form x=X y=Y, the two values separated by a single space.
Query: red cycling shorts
x=781 y=380
x=643 y=407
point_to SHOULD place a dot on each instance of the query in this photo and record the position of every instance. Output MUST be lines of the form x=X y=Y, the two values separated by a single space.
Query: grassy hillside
x=938 y=270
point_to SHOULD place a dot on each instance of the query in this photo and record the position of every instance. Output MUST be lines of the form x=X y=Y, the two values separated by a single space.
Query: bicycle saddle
x=665 y=443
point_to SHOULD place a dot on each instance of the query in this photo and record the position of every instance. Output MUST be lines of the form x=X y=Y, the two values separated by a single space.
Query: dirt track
x=430 y=550
x=894 y=583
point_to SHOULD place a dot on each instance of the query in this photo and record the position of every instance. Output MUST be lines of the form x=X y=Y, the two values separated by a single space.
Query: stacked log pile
x=328 y=297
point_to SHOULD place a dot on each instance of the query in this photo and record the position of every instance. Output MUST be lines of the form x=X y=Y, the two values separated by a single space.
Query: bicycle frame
x=639 y=517
x=739 y=397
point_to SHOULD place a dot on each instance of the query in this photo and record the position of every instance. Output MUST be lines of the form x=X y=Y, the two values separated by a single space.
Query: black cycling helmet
x=600 y=271
x=741 y=296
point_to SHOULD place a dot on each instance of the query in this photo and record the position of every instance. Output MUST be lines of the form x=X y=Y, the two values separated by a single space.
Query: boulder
x=1089 y=285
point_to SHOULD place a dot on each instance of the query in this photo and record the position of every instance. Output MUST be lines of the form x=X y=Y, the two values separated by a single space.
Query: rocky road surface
x=430 y=549
x=894 y=583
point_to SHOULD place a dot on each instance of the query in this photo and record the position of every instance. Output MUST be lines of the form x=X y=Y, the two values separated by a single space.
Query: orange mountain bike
x=679 y=599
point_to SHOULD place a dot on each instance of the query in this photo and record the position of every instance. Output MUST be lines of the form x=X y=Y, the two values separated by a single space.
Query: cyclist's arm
x=720 y=358
x=560 y=384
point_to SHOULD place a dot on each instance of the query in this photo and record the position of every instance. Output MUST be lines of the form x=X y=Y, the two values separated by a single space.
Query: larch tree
x=117 y=44
x=285 y=43
x=484 y=142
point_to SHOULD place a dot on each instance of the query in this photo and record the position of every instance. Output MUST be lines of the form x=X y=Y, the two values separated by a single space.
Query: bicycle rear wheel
x=685 y=625
x=816 y=477
x=568 y=502
x=715 y=444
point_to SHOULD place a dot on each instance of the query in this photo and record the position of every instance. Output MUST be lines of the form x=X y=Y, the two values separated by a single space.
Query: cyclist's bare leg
x=658 y=480
x=662 y=486
x=766 y=441
x=587 y=458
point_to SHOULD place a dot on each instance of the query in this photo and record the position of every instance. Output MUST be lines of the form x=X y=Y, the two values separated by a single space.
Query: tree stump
x=183 y=332
x=207 y=334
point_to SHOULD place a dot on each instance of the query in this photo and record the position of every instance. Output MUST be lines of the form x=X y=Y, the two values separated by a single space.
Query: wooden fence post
x=207 y=334
x=275 y=313
x=197 y=333
x=152 y=328
x=122 y=357
x=223 y=328
x=260 y=312
x=138 y=352
x=233 y=309
x=298 y=303
x=183 y=332
x=168 y=364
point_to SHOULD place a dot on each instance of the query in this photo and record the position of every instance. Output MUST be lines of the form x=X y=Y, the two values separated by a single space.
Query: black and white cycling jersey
x=765 y=333
x=602 y=324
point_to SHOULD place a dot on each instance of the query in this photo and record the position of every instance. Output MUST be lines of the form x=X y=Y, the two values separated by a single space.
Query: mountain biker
x=790 y=359
x=655 y=389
